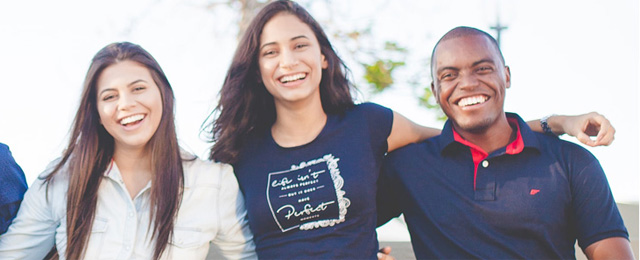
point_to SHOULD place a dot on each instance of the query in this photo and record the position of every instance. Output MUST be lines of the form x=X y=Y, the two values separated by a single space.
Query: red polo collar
x=478 y=154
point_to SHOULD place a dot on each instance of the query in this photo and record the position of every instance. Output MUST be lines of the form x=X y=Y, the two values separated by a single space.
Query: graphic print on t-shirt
x=308 y=196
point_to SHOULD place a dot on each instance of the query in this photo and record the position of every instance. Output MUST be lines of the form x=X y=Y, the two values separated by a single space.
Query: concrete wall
x=402 y=249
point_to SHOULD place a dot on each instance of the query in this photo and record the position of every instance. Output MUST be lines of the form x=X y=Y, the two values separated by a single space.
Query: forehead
x=284 y=26
x=123 y=73
x=465 y=50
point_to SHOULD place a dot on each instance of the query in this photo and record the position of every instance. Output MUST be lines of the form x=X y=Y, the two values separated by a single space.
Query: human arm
x=32 y=233
x=580 y=126
x=595 y=216
x=405 y=131
x=234 y=240
x=388 y=200
x=610 y=248
x=13 y=186
x=7 y=214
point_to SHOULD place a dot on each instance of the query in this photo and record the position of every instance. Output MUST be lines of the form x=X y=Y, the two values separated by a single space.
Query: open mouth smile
x=294 y=77
x=472 y=100
x=131 y=120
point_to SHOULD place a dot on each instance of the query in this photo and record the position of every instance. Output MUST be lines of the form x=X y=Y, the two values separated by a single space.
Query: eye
x=485 y=69
x=108 y=97
x=301 y=45
x=447 y=76
x=139 y=88
x=269 y=53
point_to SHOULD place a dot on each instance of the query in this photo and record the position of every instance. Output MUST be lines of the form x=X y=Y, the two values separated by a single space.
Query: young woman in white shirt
x=123 y=189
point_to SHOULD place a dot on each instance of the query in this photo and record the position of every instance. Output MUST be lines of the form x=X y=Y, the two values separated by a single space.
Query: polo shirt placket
x=484 y=179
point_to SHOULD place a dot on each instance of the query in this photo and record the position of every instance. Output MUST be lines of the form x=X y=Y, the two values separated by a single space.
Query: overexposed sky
x=566 y=57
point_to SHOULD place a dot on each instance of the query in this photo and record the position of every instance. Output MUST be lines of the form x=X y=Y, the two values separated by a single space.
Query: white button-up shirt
x=212 y=210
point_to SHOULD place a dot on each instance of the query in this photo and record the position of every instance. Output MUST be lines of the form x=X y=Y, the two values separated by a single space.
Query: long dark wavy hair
x=245 y=105
x=91 y=148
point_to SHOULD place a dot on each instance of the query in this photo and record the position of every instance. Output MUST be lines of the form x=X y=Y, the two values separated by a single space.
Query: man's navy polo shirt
x=531 y=203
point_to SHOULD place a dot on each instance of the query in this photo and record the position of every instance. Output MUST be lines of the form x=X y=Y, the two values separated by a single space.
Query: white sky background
x=566 y=57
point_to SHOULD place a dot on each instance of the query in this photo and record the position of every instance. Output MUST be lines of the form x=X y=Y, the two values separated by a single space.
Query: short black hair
x=461 y=31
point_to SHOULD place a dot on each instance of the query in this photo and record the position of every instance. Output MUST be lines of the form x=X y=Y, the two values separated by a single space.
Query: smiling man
x=489 y=187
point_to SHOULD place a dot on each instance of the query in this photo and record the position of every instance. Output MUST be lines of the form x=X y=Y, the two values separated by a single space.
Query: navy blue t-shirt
x=529 y=205
x=317 y=200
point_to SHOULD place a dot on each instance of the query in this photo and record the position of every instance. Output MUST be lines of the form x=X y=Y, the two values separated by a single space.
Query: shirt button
x=127 y=248
x=485 y=163
x=130 y=214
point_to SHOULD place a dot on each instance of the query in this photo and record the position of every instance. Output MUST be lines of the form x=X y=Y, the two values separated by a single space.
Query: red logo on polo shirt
x=534 y=191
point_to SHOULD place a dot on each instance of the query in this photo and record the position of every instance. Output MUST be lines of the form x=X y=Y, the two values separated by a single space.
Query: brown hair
x=246 y=107
x=91 y=148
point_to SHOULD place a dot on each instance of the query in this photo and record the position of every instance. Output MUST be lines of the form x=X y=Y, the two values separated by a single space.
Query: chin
x=474 y=126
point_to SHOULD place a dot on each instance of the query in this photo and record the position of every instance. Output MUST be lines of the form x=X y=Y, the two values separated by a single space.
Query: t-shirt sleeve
x=388 y=195
x=31 y=235
x=379 y=121
x=594 y=208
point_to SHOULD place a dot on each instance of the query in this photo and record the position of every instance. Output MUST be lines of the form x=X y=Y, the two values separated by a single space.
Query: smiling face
x=290 y=60
x=129 y=104
x=470 y=79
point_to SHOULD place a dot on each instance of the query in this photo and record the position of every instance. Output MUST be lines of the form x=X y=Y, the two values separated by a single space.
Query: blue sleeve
x=7 y=213
x=379 y=122
x=594 y=209
x=13 y=185
x=388 y=195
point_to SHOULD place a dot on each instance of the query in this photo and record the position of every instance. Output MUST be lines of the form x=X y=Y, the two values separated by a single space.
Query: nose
x=468 y=81
x=126 y=101
x=288 y=60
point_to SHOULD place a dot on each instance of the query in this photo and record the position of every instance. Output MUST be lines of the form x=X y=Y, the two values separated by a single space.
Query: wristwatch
x=545 y=126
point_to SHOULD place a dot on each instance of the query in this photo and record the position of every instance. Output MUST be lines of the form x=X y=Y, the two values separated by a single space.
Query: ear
x=435 y=92
x=325 y=64
x=507 y=76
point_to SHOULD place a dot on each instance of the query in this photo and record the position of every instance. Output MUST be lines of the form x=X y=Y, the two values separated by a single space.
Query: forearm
x=554 y=122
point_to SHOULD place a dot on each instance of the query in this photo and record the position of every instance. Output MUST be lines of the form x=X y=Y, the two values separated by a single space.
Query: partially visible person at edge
x=488 y=187
x=306 y=157
x=123 y=189
x=13 y=185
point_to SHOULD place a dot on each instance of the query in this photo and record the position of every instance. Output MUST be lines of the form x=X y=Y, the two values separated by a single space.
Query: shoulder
x=4 y=148
x=410 y=153
x=368 y=107
x=198 y=172
x=370 y=114
x=564 y=149
x=5 y=154
x=574 y=159
x=61 y=176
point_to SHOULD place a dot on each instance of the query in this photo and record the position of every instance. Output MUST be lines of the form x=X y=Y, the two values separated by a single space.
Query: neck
x=491 y=138
x=135 y=168
x=298 y=125
x=132 y=159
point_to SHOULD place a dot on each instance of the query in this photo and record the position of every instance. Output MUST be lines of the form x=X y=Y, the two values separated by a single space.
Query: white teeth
x=131 y=119
x=472 y=101
x=290 y=78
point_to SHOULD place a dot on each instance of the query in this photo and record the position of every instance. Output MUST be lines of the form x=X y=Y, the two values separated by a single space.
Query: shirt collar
x=526 y=138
